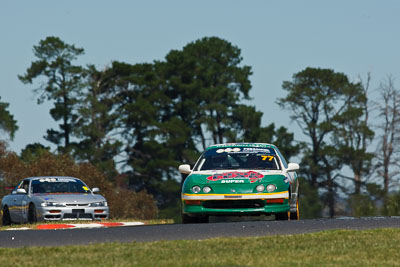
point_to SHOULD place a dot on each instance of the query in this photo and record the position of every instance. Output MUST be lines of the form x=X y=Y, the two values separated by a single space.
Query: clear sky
x=277 y=39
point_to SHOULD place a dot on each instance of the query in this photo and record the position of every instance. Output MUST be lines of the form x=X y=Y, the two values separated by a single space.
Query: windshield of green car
x=249 y=158
x=58 y=186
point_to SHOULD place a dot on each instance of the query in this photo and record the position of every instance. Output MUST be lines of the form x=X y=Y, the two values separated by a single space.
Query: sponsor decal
x=256 y=150
x=243 y=150
x=228 y=150
x=251 y=175
x=56 y=180
x=232 y=181
x=232 y=196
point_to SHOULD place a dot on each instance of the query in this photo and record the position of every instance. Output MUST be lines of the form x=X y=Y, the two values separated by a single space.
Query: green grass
x=330 y=248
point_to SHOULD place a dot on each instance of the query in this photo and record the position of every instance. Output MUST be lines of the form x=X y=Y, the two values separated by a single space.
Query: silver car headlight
x=98 y=204
x=52 y=204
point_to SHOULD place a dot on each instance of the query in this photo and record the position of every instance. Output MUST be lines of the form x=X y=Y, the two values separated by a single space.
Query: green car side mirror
x=184 y=168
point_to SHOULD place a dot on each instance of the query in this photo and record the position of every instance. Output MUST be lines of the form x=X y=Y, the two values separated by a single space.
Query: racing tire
x=203 y=219
x=187 y=219
x=6 y=220
x=282 y=216
x=295 y=216
x=32 y=216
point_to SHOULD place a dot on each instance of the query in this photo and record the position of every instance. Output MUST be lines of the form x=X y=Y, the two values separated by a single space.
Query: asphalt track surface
x=147 y=233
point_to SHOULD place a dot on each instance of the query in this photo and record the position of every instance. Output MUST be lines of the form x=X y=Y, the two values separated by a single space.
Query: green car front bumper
x=235 y=204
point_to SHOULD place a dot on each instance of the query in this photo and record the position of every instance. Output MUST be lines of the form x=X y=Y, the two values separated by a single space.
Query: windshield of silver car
x=252 y=158
x=58 y=185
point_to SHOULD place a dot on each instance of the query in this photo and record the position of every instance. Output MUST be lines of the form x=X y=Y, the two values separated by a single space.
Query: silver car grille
x=77 y=205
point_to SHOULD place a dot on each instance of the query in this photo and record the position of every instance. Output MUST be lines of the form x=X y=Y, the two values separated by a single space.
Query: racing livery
x=240 y=179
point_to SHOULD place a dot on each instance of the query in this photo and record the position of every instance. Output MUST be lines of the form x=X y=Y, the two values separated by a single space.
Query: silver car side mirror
x=184 y=168
x=21 y=191
x=95 y=190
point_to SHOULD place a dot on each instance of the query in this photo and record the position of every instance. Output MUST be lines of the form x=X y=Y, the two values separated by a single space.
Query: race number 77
x=265 y=157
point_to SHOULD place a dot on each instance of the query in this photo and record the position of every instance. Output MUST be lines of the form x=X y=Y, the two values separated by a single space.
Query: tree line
x=136 y=123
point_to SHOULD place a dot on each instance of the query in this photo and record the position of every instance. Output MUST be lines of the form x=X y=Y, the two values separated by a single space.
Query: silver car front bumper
x=69 y=213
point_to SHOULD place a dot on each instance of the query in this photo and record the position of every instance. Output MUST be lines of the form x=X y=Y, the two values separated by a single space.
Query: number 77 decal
x=265 y=157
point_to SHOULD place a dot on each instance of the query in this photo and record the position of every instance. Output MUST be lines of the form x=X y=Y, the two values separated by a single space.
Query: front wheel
x=203 y=219
x=282 y=216
x=32 y=217
x=187 y=219
x=295 y=215
x=6 y=217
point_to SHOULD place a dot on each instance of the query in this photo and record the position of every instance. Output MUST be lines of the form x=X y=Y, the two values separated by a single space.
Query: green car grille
x=234 y=204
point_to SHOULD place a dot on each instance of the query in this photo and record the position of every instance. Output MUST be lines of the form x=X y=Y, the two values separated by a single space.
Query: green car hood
x=244 y=181
x=244 y=177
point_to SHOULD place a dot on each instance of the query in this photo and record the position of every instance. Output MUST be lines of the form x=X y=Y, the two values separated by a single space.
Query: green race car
x=240 y=179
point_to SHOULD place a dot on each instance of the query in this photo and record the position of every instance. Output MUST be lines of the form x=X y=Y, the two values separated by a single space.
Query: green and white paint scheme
x=240 y=179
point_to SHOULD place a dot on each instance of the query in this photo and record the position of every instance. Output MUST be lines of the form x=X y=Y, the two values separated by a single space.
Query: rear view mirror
x=95 y=190
x=184 y=168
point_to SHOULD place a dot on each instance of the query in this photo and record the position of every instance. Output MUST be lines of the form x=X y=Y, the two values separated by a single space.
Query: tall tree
x=353 y=135
x=97 y=125
x=62 y=83
x=7 y=122
x=138 y=105
x=206 y=82
x=388 y=152
x=318 y=99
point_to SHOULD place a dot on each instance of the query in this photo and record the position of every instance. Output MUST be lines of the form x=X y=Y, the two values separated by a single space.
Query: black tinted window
x=58 y=185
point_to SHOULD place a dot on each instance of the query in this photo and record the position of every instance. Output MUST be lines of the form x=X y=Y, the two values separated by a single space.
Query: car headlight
x=98 y=204
x=52 y=204
x=206 y=189
x=271 y=188
x=196 y=189
x=260 y=188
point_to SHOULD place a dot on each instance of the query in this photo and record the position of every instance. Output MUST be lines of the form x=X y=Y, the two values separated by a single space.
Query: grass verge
x=329 y=248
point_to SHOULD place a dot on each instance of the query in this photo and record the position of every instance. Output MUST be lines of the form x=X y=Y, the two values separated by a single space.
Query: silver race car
x=53 y=198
